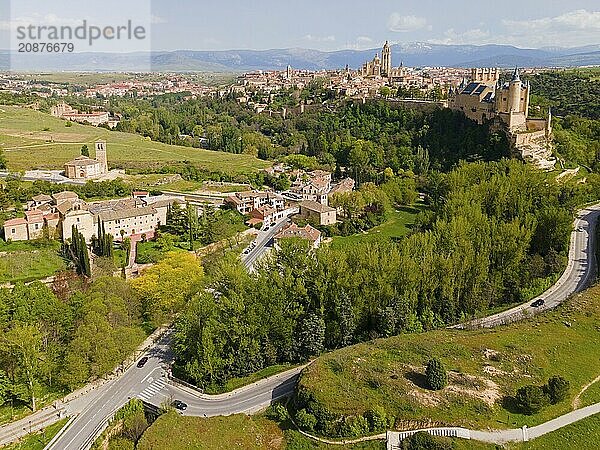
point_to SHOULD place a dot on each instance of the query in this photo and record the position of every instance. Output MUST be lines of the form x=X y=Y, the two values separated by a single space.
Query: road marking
x=148 y=376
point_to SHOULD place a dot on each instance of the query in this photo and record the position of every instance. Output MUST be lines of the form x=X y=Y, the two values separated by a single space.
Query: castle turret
x=514 y=92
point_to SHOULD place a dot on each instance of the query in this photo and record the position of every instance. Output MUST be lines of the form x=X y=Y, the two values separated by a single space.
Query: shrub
x=306 y=420
x=424 y=441
x=436 y=375
x=531 y=399
x=378 y=419
x=355 y=426
x=557 y=389
x=277 y=412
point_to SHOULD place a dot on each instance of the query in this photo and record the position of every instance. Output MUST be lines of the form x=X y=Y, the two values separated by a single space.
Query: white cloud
x=313 y=38
x=474 y=36
x=570 y=21
x=572 y=28
x=404 y=24
x=364 y=40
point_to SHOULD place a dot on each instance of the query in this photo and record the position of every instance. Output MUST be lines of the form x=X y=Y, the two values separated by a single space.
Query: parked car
x=142 y=362
x=178 y=404
x=539 y=302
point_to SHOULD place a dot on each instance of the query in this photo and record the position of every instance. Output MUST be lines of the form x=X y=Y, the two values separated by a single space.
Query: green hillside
x=35 y=140
x=485 y=369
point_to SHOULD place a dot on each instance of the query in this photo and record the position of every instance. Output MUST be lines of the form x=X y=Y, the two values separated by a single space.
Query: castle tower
x=101 y=155
x=514 y=92
x=386 y=60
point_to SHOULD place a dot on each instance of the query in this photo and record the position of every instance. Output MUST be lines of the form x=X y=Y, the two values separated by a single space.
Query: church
x=86 y=168
x=382 y=67
x=506 y=105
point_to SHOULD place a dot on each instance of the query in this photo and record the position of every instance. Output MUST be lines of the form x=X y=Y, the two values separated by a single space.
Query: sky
x=325 y=24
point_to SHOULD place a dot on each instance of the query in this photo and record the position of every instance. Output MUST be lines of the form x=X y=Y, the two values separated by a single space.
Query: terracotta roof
x=314 y=206
x=64 y=195
x=34 y=216
x=82 y=161
x=294 y=231
x=13 y=222
x=126 y=213
x=41 y=198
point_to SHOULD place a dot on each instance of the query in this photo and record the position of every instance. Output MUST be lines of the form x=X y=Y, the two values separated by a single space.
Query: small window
x=13 y=231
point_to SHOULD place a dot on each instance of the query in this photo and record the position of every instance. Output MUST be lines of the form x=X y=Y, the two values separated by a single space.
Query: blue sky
x=330 y=24
x=336 y=24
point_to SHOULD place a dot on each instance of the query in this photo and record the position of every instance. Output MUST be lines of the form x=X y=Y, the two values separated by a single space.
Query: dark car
x=539 y=302
x=142 y=362
x=178 y=404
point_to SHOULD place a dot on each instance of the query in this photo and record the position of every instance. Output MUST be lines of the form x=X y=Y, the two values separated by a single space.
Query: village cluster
x=54 y=216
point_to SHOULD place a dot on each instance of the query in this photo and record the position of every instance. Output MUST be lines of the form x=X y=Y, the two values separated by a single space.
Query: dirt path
x=577 y=399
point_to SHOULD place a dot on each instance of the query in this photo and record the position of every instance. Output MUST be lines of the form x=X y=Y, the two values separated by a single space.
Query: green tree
x=531 y=399
x=436 y=375
x=23 y=344
x=557 y=389
x=85 y=151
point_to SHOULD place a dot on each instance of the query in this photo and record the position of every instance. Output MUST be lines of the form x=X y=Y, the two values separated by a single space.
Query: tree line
x=495 y=230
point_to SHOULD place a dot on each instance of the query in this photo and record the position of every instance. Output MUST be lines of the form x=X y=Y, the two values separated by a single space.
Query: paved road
x=576 y=277
x=149 y=383
x=263 y=239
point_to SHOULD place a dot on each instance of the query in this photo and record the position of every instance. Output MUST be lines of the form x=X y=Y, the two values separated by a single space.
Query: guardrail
x=60 y=433
x=87 y=444
x=394 y=438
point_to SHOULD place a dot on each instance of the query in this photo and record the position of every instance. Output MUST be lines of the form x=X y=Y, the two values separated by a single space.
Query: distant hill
x=413 y=55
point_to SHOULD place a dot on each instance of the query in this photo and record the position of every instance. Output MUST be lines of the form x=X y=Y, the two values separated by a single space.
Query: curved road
x=576 y=277
x=151 y=385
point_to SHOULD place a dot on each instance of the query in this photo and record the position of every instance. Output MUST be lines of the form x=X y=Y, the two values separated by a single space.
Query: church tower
x=386 y=60
x=101 y=155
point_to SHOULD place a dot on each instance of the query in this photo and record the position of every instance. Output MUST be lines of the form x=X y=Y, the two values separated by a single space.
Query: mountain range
x=412 y=55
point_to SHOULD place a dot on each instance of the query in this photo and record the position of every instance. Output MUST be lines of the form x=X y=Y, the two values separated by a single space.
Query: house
x=313 y=186
x=343 y=186
x=266 y=215
x=307 y=232
x=321 y=214
x=244 y=202
x=16 y=230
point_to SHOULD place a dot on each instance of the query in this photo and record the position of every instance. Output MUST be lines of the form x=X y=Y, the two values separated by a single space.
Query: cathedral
x=506 y=106
x=382 y=67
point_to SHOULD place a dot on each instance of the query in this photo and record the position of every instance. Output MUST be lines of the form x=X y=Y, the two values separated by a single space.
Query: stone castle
x=506 y=105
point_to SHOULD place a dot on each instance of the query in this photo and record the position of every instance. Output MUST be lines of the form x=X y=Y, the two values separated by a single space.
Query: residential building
x=245 y=202
x=321 y=214
x=266 y=215
x=292 y=231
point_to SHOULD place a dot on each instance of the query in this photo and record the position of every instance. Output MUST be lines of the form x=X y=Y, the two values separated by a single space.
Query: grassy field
x=27 y=261
x=175 y=432
x=397 y=224
x=31 y=139
x=486 y=367
x=239 y=431
x=37 y=441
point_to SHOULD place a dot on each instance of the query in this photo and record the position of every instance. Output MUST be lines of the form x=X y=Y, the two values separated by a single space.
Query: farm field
x=34 y=140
